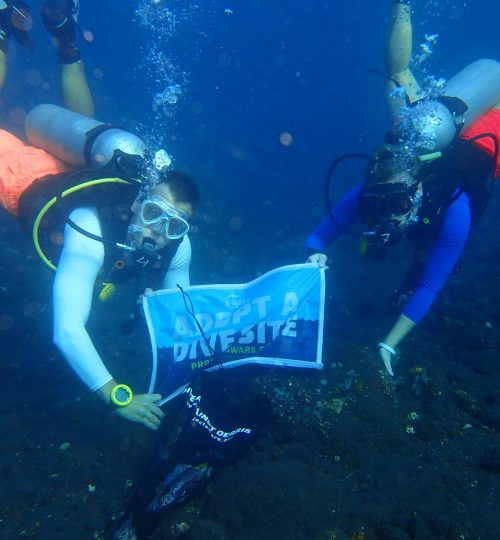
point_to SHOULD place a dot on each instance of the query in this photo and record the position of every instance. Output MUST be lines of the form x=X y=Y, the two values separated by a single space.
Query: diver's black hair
x=384 y=163
x=183 y=188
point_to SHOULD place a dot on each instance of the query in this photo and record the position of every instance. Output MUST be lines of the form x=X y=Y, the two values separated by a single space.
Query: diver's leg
x=59 y=17
x=75 y=89
x=4 y=41
x=398 y=54
x=3 y=68
x=15 y=20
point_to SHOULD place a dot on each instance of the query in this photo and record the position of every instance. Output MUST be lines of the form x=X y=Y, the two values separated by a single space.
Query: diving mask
x=163 y=218
x=385 y=201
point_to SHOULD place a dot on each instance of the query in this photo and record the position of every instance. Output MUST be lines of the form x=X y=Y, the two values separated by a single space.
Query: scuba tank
x=84 y=142
x=469 y=94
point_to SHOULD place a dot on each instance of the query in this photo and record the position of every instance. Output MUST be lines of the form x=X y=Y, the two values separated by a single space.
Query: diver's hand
x=143 y=409
x=386 y=353
x=320 y=259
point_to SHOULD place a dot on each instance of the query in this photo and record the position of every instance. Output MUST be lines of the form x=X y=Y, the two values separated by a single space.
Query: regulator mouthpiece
x=147 y=254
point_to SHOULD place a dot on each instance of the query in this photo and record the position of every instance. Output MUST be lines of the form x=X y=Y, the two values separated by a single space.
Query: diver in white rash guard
x=117 y=226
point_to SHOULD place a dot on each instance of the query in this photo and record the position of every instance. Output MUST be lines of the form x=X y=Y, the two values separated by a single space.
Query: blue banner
x=277 y=319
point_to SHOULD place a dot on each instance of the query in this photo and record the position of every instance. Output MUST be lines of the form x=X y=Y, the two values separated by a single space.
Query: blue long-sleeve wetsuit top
x=444 y=254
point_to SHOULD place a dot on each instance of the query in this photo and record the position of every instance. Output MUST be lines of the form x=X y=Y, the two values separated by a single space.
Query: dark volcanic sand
x=345 y=453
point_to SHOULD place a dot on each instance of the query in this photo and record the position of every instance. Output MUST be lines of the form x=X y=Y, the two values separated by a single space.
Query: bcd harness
x=462 y=168
x=44 y=209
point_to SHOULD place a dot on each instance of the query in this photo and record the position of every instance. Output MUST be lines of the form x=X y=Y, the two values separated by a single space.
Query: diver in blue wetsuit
x=432 y=194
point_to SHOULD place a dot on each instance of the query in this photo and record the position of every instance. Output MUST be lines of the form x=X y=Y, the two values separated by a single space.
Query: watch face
x=122 y=395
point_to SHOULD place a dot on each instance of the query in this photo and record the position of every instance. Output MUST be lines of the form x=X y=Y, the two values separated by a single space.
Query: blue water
x=267 y=95
x=245 y=78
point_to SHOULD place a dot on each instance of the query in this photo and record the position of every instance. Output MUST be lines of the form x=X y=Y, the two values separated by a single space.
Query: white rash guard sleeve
x=178 y=271
x=80 y=262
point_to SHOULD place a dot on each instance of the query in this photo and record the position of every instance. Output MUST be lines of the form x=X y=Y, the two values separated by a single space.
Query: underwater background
x=255 y=99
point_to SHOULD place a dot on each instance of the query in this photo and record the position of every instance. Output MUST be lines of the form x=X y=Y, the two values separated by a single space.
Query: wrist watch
x=121 y=395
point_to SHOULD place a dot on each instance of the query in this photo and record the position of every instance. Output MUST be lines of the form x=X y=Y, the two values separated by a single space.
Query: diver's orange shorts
x=488 y=123
x=20 y=166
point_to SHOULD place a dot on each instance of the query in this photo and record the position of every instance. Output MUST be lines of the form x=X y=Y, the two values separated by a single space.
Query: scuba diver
x=96 y=207
x=429 y=182
x=60 y=18
x=100 y=211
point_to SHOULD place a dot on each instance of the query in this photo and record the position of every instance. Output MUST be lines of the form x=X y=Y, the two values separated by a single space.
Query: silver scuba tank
x=81 y=141
x=469 y=94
